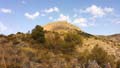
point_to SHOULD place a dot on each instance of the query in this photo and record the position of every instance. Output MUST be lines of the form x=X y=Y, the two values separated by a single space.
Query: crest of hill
x=60 y=26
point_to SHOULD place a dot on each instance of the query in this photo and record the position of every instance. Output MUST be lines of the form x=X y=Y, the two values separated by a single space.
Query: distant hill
x=115 y=37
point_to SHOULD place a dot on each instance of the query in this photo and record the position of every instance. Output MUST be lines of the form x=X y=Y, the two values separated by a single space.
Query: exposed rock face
x=60 y=26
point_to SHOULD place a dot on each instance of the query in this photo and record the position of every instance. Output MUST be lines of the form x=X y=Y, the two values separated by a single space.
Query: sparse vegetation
x=52 y=49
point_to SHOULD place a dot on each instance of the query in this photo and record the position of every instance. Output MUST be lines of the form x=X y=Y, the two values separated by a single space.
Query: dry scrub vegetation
x=50 y=49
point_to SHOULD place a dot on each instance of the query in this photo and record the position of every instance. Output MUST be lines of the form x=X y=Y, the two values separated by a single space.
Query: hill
x=114 y=37
x=60 y=26
x=58 y=45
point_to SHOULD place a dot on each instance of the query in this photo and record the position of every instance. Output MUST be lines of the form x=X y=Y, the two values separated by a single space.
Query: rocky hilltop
x=60 y=26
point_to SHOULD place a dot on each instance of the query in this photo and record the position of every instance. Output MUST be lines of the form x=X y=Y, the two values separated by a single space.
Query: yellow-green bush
x=101 y=56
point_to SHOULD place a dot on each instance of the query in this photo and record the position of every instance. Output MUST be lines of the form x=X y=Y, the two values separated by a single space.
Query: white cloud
x=2 y=27
x=98 y=11
x=32 y=16
x=50 y=18
x=42 y=14
x=75 y=15
x=63 y=18
x=23 y=2
x=81 y=22
x=116 y=21
x=50 y=10
x=5 y=10
x=92 y=24
x=108 y=10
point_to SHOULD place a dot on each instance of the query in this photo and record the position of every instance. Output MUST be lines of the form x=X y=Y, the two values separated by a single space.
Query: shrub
x=38 y=34
x=73 y=38
x=118 y=64
x=101 y=56
x=83 y=57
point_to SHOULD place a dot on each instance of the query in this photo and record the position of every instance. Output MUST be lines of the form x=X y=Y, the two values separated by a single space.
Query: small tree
x=38 y=34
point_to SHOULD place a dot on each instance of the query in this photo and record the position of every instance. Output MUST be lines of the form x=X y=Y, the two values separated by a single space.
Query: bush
x=73 y=38
x=101 y=56
x=83 y=57
x=118 y=64
x=38 y=34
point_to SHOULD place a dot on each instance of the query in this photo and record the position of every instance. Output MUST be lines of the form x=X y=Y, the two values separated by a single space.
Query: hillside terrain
x=114 y=37
x=59 y=45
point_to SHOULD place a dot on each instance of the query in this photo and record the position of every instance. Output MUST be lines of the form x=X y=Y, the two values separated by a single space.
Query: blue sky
x=101 y=17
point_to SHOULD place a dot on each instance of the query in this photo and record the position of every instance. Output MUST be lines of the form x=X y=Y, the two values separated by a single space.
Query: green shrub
x=73 y=38
x=38 y=34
